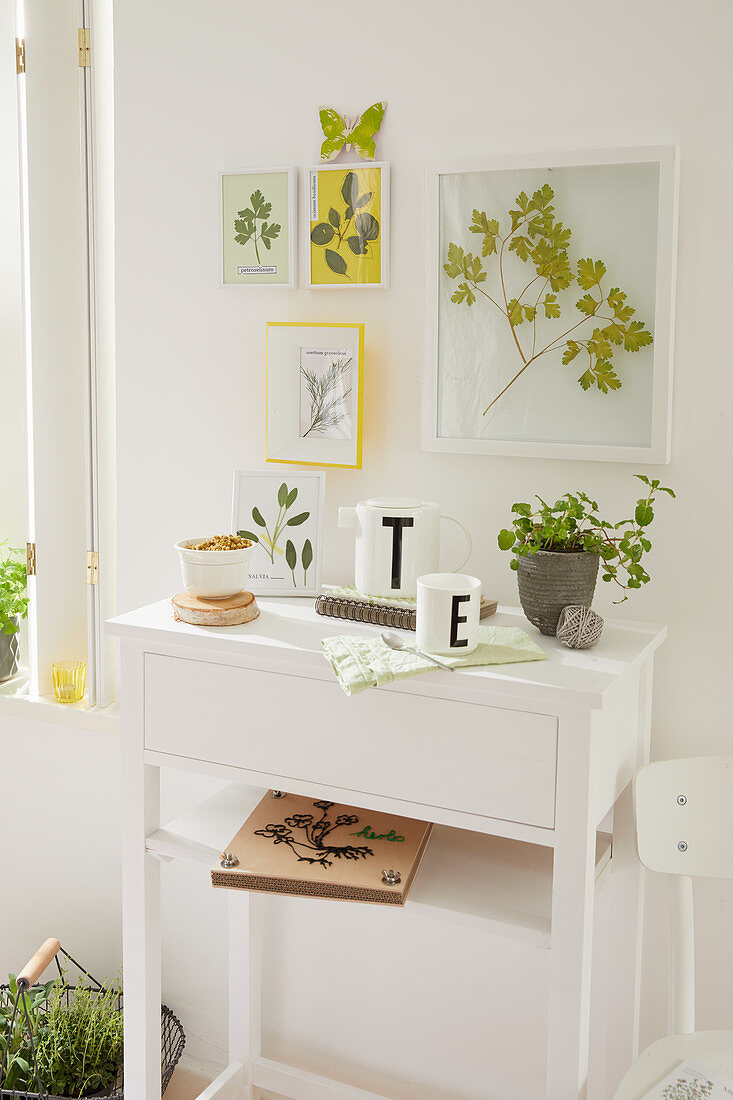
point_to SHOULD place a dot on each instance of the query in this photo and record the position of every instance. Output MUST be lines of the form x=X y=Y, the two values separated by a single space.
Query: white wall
x=233 y=85
x=60 y=808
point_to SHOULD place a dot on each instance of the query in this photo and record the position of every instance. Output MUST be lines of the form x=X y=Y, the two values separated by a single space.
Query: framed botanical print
x=315 y=385
x=283 y=517
x=348 y=225
x=550 y=305
x=259 y=227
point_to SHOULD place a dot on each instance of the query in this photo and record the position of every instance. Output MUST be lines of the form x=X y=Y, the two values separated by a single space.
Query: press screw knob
x=681 y=799
x=228 y=859
x=391 y=878
x=682 y=846
x=278 y=794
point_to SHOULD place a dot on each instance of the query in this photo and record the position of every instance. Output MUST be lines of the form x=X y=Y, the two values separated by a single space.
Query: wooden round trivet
x=233 y=611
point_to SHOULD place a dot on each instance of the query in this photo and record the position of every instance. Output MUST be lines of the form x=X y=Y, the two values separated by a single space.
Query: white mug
x=448 y=606
x=397 y=539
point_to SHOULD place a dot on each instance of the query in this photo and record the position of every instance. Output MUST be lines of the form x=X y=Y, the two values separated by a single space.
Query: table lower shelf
x=501 y=886
x=283 y=1080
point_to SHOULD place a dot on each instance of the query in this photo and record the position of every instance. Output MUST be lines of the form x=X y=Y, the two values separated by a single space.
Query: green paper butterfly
x=341 y=133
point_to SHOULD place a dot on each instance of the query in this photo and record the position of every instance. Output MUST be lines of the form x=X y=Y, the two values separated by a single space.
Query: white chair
x=684 y=827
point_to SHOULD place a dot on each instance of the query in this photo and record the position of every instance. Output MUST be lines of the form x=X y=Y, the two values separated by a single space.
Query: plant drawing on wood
x=267 y=537
x=535 y=237
x=306 y=833
x=350 y=230
x=328 y=395
x=251 y=224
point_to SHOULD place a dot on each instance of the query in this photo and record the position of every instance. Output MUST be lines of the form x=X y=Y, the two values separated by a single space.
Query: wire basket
x=172 y=1035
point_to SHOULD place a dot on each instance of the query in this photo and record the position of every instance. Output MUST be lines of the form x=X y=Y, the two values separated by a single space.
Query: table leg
x=628 y=885
x=573 y=889
x=245 y=948
x=141 y=894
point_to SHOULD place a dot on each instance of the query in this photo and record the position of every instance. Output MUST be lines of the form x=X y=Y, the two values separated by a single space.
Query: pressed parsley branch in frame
x=251 y=224
x=533 y=234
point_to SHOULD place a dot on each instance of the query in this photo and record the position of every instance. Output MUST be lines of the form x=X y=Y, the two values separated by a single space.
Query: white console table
x=546 y=750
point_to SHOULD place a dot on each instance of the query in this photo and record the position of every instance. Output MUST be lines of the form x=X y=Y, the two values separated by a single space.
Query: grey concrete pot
x=549 y=581
x=9 y=653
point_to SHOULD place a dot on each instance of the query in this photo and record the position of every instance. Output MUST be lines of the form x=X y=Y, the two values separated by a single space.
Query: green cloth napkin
x=360 y=663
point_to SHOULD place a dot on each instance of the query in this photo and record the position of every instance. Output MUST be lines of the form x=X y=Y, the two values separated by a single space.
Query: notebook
x=400 y=614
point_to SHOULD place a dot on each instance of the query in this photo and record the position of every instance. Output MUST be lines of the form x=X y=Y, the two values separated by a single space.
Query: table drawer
x=460 y=756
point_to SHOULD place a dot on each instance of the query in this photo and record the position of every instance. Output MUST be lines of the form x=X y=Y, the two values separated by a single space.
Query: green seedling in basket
x=80 y=1051
x=19 y=1072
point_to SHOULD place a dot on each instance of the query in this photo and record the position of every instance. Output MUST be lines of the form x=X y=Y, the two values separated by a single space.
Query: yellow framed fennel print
x=315 y=387
x=348 y=225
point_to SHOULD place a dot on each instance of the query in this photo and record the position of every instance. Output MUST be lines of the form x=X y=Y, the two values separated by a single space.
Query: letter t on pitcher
x=397 y=523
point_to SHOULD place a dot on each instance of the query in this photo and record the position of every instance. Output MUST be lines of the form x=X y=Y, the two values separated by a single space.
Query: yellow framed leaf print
x=348 y=225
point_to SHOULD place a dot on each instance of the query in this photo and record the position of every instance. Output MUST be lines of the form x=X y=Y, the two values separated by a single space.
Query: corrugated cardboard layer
x=316 y=848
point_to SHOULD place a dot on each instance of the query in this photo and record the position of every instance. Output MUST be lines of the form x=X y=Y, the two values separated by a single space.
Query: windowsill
x=17 y=703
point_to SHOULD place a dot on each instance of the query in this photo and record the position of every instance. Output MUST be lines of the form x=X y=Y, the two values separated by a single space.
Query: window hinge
x=20 y=55
x=30 y=559
x=92 y=567
x=84 y=48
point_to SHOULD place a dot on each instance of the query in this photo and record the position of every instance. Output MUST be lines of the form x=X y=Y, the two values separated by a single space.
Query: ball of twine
x=579 y=627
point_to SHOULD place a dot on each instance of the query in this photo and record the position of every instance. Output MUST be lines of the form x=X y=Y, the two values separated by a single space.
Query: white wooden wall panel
x=54 y=280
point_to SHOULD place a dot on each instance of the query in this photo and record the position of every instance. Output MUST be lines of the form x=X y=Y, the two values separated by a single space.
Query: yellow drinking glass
x=69 y=680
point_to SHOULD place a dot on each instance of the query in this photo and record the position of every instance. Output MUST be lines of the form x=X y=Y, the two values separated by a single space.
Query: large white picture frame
x=621 y=208
x=282 y=513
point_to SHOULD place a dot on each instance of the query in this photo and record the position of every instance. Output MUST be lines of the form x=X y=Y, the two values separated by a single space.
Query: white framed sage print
x=283 y=516
x=315 y=387
x=259 y=227
x=347 y=220
x=550 y=305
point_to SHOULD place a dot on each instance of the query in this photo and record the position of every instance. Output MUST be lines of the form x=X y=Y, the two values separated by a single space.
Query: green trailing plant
x=352 y=227
x=80 y=1050
x=572 y=524
x=19 y=1073
x=535 y=237
x=13 y=588
x=327 y=395
x=268 y=538
x=251 y=224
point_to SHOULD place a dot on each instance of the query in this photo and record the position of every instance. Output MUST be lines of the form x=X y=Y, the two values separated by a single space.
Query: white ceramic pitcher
x=397 y=540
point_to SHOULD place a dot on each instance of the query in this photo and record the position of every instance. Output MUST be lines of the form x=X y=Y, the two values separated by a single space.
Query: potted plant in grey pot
x=13 y=607
x=559 y=547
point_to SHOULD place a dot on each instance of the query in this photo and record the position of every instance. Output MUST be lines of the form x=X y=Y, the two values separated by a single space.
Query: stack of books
x=345 y=602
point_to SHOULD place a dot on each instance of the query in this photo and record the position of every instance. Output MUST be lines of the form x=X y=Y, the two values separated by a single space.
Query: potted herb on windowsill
x=13 y=608
x=559 y=547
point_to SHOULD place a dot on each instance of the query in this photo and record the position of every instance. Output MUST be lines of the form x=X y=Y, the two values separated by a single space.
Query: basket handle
x=35 y=966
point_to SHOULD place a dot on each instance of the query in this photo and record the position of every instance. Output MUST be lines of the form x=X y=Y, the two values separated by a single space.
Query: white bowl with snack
x=215 y=568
